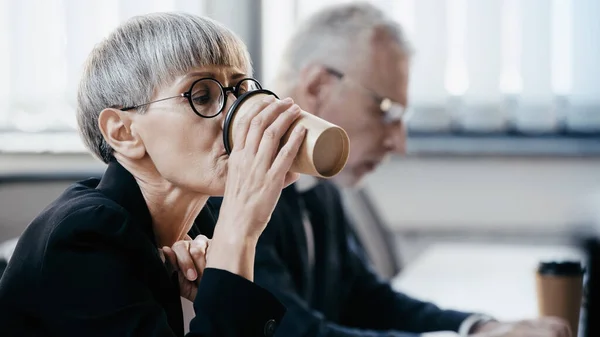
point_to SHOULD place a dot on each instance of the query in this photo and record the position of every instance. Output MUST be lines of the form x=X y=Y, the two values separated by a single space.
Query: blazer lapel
x=119 y=185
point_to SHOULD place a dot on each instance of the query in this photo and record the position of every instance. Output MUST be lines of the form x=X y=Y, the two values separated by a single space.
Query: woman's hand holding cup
x=257 y=172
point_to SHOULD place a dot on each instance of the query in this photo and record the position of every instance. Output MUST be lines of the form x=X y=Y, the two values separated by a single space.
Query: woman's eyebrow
x=198 y=74
x=238 y=76
x=206 y=74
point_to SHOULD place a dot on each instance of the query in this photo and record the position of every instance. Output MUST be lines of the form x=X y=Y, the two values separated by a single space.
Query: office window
x=45 y=43
x=486 y=67
x=491 y=66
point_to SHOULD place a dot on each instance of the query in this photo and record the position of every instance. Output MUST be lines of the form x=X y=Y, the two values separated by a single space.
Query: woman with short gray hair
x=111 y=257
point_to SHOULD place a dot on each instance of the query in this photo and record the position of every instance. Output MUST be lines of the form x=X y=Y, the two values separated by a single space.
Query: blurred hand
x=542 y=327
x=257 y=172
x=188 y=258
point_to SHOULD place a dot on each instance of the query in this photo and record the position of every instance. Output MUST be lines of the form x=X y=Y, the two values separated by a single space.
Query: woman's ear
x=117 y=127
x=314 y=86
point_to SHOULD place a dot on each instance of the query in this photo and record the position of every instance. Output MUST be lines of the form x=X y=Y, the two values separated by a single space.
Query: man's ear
x=314 y=85
x=117 y=128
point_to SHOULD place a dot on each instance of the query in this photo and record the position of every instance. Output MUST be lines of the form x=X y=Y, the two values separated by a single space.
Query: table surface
x=498 y=280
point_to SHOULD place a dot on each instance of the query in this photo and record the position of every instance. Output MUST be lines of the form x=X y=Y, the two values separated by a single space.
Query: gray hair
x=335 y=37
x=143 y=54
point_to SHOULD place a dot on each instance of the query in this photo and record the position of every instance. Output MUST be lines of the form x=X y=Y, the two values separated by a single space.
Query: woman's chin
x=213 y=190
x=217 y=189
x=218 y=192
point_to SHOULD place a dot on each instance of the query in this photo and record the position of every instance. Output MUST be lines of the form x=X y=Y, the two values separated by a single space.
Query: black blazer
x=342 y=296
x=88 y=265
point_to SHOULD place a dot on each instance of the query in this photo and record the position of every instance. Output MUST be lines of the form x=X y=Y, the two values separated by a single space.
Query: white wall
x=518 y=195
x=511 y=194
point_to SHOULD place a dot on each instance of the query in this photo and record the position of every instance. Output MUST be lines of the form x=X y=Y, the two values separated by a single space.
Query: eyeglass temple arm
x=158 y=100
x=334 y=72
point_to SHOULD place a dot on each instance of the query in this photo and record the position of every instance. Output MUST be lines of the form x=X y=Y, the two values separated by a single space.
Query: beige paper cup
x=324 y=151
x=560 y=291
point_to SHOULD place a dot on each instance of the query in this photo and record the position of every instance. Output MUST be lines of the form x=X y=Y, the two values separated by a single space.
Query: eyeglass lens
x=208 y=96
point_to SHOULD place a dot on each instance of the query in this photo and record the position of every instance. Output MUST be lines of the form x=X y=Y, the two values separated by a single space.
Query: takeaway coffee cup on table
x=559 y=291
x=323 y=152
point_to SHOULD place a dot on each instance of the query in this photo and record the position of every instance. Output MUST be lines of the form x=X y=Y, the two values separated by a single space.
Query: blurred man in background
x=350 y=66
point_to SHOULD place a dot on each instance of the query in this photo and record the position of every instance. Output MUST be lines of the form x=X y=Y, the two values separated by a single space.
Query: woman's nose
x=229 y=99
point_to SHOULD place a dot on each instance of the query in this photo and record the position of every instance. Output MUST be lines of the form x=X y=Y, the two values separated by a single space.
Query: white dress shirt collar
x=305 y=183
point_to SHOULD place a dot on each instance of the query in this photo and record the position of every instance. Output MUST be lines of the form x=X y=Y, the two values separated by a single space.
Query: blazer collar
x=306 y=183
x=120 y=186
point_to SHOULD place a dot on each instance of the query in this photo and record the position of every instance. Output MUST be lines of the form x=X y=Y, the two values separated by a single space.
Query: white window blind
x=484 y=65
x=474 y=59
x=46 y=43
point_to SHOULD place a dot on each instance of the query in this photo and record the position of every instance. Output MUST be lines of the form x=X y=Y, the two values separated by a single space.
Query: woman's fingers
x=202 y=239
x=188 y=256
x=290 y=178
x=272 y=137
x=262 y=121
x=198 y=248
x=170 y=256
x=184 y=259
x=243 y=122
x=284 y=159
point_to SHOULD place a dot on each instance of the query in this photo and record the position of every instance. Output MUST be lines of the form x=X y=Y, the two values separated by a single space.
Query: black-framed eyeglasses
x=393 y=111
x=208 y=97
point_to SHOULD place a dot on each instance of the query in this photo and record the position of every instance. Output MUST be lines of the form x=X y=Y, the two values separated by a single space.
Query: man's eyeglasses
x=207 y=96
x=393 y=111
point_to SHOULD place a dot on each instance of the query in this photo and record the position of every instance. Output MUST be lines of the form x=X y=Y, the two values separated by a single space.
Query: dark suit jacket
x=88 y=265
x=342 y=296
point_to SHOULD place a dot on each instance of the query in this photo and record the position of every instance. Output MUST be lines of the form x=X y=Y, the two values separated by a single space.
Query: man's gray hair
x=335 y=36
x=143 y=54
